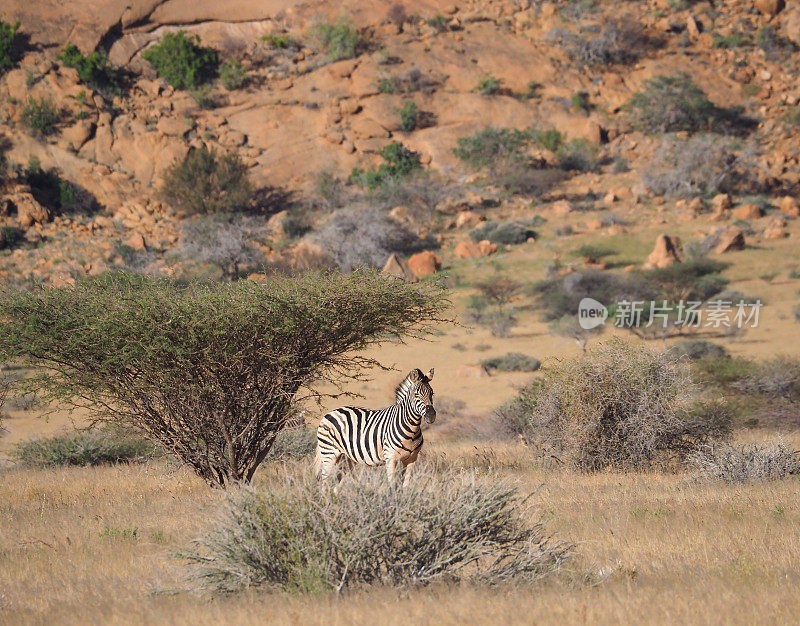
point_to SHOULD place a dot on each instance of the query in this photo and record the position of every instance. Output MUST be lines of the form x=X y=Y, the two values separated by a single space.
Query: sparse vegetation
x=227 y=241
x=339 y=40
x=700 y=165
x=93 y=70
x=618 y=41
x=41 y=115
x=399 y=162
x=696 y=349
x=577 y=155
x=233 y=75
x=672 y=103
x=53 y=192
x=181 y=60
x=777 y=378
x=620 y=406
x=11 y=237
x=83 y=447
x=488 y=85
x=210 y=371
x=409 y=116
x=503 y=232
x=512 y=362
x=771 y=460
x=9 y=48
x=300 y=538
x=207 y=182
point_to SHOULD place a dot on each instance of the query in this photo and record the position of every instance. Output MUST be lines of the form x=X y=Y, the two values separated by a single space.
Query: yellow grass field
x=657 y=548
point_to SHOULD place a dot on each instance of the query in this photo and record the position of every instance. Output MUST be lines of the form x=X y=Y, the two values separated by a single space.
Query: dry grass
x=673 y=551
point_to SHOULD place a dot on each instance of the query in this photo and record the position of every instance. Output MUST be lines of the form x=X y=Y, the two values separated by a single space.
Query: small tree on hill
x=210 y=371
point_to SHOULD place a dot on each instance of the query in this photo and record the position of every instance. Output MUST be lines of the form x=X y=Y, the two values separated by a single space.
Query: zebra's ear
x=415 y=375
x=429 y=375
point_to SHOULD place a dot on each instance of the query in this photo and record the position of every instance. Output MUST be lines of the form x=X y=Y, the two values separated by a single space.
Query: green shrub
x=512 y=362
x=233 y=75
x=488 y=86
x=9 y=50
x=409 y=116
x=93 y=70
x=736 y=39
x=298 y=537
x=694 y=279
x=577 y=155
x=696 y=349
x=549 y=139
x=207 y=182
x=490 y=145
x=82 y=447
x=621 y=406
x=41 y=115
x=181 y=61
x=339 y=41
x=670 y=104
x=438 y=22
x=10 y=237
x=399 y=162
x=506 y=233
x=594 y=252
x=52 y=191
x=770 y=460
x=277 y=41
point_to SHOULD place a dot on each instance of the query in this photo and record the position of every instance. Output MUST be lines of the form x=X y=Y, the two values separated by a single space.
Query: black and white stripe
x=390 y=436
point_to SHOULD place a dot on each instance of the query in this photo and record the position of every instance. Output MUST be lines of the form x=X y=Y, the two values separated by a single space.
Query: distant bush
x=771 y=460
x=293 y=443
x=41 y=115
x=696 y=349
x=82 y=447
x=207 y=182
x=670 y=104
x=503 y=232
x=512 y=362
x=181 y=61
x=53 y=192
x=618 y=41
x=233 y=75
x=778 y=378
x=301 y=538
x=409 y=116
x=700 y=165
x=490 y=145
x=11 y=237
x=93 y=70
x=438 y=22
x=365 y=236
x=488 y=86
x=577 y=155
x=399 y=162
x=620 y=406
x=694 y=279
x=9 y=50
x=227 y=241
x=775 y=46
x=339 y=40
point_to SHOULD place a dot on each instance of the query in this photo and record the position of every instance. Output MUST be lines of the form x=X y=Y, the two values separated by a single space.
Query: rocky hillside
x=301 y=93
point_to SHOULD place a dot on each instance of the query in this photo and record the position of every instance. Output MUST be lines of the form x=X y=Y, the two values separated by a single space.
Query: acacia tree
x=210 y=371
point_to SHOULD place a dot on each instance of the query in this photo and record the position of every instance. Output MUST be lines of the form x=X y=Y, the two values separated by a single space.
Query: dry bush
x=770 y=460
x=365 y=236
x=293 y=443
x=695 y=349
x=622 y=406
x=701 y=165
x=227 y=241
x=83 y=447
x=297 y=536
x=512 y=362
x=778 y=378
x=617 y=41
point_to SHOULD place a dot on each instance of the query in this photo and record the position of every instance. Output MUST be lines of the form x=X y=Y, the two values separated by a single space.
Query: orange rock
x=562 y=207
x=790 y=206
x=776 y=229
x=136 y=242
x=487 y=247
x=747 y=212
x=770 y=7
x=472 y=250
x=425 y=263
x=721 y=202
x=470 y=219
x=395 y=266
x=668 y=251
x=732 y=238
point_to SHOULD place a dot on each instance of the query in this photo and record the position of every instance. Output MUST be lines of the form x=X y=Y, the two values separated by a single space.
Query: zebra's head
x=422 y=394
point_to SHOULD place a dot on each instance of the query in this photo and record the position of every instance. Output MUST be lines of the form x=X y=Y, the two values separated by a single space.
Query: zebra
x=390 y=436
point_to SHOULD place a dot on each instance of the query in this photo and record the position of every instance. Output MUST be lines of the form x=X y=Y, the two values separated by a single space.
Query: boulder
x=472 y=371
x=472 y=250
x=395 y=266
x=468 y=219
x=667 y=251
x=731 y=238
x=29 y=211
x=425 y=263
x=776 y=229
x=561 y=207
x=790 y=206
x=747 y=212
x=173 y=127
x=136 y=242
x=721 y=202
x=770 y=7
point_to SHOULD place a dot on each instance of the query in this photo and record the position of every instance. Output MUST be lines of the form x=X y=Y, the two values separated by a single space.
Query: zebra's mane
x=405 y=386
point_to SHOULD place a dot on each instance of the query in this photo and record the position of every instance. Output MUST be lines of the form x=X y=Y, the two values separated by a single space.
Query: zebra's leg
x=391 y=467
x=408 y=470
